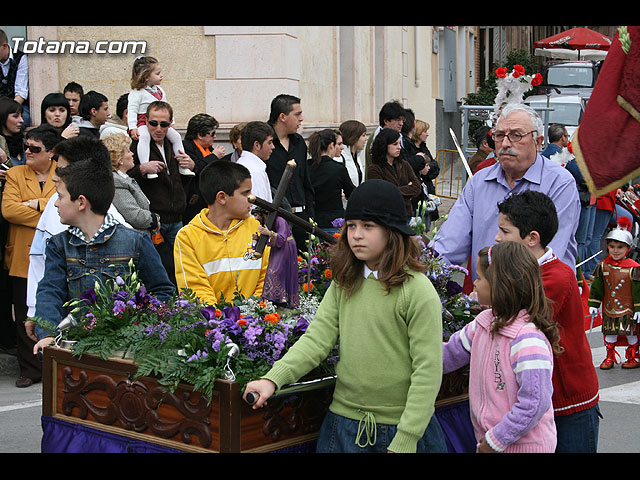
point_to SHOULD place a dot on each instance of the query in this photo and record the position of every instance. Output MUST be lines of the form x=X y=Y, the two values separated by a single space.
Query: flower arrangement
x=314 y=270
x=182 y=340
x=512 y=86
x=185 y=341
x=236 y=342
x=458 y=309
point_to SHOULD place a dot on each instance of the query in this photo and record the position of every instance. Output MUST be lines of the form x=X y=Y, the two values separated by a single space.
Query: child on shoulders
x=145 y=83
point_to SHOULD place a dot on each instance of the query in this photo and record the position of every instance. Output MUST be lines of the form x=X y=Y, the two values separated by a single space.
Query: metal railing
x=452 y=176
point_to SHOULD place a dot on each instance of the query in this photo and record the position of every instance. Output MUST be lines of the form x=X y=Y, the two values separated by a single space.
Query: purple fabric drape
x=59 y=436
x=455 y=420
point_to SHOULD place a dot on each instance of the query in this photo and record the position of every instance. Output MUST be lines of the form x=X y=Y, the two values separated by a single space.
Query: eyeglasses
x=32 y=148
x=155 y=123
x=514 y=137
x=212 y=133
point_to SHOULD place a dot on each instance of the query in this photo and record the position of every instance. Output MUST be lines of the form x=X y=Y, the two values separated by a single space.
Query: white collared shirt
x=260 y=185
x=368 y=271
x=548 y=255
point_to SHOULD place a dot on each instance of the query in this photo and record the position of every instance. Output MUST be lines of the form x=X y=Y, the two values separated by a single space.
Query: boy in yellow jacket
x=213 y=253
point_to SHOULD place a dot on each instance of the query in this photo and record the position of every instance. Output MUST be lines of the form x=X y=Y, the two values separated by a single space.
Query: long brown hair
x=514 y=276
x=401 y=256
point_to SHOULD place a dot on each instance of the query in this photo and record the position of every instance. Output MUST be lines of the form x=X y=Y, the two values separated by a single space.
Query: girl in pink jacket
x=509 y=348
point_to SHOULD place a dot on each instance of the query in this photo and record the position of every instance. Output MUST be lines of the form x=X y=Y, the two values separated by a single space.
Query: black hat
x=379 y=201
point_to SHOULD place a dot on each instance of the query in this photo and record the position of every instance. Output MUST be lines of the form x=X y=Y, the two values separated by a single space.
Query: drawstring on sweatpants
x=367 y=426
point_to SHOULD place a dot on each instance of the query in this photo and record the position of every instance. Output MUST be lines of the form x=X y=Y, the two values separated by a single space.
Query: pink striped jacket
x=510 y=382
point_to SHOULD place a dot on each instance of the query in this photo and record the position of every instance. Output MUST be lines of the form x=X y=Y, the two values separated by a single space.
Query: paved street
x=20 y=409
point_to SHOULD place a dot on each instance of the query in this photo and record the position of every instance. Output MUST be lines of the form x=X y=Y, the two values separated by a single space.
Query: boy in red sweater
x=531 y=218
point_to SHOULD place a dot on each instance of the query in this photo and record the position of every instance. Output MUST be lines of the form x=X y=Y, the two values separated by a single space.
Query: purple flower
x=121 y=295
x=141 y=297
x=209 y=312
x=231 y=313
x=118 y=306
x=301 y=326
x=89 y=296
x=338 y=223
x=453 y=288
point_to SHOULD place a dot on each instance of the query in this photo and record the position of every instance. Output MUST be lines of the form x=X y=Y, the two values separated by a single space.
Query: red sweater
x=575 y=381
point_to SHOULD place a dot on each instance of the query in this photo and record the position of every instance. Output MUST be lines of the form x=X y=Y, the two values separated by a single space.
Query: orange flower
x=242 y=322
x=307 y=287
x=299 y=258
x=218 y=313
x=336 y=235
x=262 y=304
x=327 y=273
x=272 y=317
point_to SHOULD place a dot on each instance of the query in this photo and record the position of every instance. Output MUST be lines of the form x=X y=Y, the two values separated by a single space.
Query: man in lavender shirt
x=473 y=221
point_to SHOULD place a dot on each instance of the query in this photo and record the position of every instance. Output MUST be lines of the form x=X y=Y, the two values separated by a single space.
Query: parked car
x=569 y=78
x=566 y=109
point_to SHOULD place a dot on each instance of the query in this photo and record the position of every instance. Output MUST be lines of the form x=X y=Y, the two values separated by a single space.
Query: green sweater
x=390 y=354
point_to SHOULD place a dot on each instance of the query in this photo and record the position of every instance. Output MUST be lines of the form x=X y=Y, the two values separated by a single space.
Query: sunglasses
x=32 y=148
x=155 y=123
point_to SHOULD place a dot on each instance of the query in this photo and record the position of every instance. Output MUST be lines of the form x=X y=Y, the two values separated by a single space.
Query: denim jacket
x=73 y=265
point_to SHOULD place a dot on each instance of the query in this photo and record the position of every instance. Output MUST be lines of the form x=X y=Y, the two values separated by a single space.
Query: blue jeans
x=338 y=435
x=584 y=233
x=600 y=224
x=169 y=231
x=578 y=432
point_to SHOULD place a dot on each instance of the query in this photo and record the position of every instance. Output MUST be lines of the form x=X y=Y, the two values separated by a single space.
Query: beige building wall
x=233 y=72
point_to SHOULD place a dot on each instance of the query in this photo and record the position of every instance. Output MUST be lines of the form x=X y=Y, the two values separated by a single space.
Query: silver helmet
x=621 y=235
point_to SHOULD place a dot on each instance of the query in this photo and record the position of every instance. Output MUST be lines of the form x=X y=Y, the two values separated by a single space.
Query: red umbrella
x=578 y=38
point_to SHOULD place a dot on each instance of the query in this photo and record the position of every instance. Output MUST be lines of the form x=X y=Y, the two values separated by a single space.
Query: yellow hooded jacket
x=214 y=263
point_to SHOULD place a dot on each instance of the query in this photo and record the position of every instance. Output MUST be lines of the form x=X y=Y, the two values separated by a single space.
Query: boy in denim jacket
x=95 y=247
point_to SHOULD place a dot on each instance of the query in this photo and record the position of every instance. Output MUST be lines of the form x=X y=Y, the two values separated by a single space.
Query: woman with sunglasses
x=198 y=144
x=27 y=190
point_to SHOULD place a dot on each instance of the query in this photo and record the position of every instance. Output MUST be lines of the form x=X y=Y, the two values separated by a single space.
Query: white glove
x=636 y=317
x=594 y=310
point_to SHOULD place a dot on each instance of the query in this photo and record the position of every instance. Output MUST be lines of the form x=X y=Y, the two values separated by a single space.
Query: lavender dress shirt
x=472 y=223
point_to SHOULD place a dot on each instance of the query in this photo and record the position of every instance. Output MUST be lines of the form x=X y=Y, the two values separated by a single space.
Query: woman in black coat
x=329 y=179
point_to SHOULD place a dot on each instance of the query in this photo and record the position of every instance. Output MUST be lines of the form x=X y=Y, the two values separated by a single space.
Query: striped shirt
x=510 y=382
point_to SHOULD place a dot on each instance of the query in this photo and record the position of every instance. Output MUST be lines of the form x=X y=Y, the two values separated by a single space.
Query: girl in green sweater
x=386 y=315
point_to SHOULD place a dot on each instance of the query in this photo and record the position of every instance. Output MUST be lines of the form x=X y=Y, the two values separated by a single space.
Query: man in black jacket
x=286 y=118
x=165 y=193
